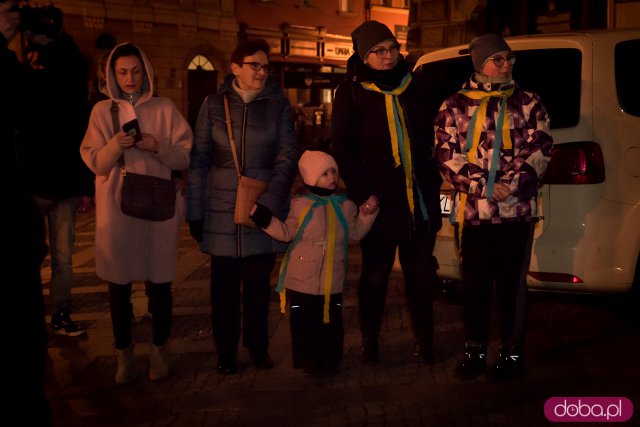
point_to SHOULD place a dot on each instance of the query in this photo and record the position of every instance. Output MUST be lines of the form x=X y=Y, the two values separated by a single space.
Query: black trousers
x=419 y=269
x=160 y=307
x=235 y=282
x=28 y=362
x=315 y=345
x=495 y=254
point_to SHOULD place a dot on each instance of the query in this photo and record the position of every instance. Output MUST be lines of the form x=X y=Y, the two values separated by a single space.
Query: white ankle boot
x=158 y=363
x=124 y=374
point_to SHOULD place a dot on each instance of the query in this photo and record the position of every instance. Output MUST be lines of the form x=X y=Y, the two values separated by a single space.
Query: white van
x=588 y=239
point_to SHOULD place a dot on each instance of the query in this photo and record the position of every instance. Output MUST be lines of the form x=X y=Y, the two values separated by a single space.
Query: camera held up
x=40 y=19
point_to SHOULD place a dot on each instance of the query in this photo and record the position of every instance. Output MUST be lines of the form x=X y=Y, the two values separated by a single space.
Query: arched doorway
x=202 y=80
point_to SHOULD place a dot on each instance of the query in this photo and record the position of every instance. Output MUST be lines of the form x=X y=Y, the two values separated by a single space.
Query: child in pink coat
x=320 y=224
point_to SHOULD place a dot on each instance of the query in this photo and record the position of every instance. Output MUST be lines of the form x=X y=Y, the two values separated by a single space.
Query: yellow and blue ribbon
x=400 y=142
x=473 y=139
x=334 y=212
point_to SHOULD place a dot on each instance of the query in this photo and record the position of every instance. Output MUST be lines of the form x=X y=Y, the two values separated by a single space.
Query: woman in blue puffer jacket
x=266 y=145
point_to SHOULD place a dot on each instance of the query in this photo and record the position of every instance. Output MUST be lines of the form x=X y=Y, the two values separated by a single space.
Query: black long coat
x=361 y=144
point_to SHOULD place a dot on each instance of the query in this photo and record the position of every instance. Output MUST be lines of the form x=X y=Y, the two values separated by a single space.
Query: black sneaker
x=509 y=365
x=474 y=362
x=61 y=324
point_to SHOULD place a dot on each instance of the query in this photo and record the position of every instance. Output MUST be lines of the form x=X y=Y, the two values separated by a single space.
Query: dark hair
x=247 y=48
x=127 y=49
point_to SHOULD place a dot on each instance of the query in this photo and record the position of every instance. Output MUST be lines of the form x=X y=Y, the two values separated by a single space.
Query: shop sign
x=337 y=50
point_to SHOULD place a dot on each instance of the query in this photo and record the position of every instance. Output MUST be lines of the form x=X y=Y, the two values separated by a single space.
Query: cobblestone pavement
x=576 y=347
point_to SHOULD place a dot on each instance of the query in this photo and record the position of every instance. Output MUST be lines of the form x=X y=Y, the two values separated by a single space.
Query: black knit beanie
x=485 y=46
x=368 y=34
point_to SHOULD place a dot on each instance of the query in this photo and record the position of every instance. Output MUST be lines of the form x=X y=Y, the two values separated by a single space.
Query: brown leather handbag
x=144 y=196
x=249 y=189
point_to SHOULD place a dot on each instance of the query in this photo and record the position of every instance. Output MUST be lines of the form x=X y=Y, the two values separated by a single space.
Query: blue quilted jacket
x=267 y=149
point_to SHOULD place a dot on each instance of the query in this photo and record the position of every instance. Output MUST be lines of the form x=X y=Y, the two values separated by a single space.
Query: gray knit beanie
x=369 y=34
x=485 y=46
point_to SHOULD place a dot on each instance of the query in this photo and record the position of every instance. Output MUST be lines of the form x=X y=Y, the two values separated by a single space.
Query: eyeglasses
x=382 y=52
x=499 y=60
x=256 y=66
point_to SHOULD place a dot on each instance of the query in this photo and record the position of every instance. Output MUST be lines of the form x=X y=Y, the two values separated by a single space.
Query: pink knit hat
x=313 y=164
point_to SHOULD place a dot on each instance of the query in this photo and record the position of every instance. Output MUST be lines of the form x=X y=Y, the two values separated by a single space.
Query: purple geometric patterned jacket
x=521 y=167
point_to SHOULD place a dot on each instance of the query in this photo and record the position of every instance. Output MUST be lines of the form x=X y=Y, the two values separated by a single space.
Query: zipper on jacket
x=241 y=161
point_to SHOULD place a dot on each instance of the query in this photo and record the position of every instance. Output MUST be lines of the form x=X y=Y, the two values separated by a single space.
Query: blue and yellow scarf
x=334 y=214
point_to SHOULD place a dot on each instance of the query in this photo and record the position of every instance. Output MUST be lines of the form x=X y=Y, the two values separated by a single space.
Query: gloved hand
x=261 y=216
x=196 y=228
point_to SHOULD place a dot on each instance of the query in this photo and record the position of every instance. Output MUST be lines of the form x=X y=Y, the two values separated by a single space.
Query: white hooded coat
x=128 y=248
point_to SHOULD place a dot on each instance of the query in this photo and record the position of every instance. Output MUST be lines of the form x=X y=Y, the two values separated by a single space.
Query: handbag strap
x=230 y=132
x=115 y=121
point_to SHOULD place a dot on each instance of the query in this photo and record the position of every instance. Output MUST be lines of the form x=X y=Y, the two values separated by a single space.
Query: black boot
x=423 y=350
x=474 y=362
x=227 y=365
x=509 y=364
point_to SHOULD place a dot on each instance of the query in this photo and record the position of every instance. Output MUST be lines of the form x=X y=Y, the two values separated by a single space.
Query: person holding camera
x=49 y=159
x=129 y=248
x=24 y=241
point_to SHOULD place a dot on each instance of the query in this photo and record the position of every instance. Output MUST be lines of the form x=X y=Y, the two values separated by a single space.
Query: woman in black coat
x=382 y=139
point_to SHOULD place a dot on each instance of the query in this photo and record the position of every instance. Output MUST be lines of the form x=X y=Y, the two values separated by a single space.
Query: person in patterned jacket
x=493 y=144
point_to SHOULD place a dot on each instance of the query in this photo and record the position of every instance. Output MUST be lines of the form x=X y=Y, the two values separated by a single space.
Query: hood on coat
x=147 y=85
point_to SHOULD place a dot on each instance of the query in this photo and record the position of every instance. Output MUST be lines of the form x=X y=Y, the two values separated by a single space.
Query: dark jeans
x=236 y=280
x=495 y=254
x=419 y=269
x=160 y=307
x=315 y=345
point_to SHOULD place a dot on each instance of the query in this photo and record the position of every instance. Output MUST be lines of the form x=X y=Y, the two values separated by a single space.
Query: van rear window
x=554 y=74
x=626 y=77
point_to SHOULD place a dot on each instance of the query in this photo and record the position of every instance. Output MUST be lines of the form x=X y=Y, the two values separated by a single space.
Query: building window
x=344 y=5
x=200 y=63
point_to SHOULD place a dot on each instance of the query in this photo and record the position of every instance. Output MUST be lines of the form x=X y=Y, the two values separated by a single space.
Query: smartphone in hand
x=133 y=128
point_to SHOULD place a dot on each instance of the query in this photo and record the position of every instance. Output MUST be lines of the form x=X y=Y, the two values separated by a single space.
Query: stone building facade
x=189 y=42
x=182 y=39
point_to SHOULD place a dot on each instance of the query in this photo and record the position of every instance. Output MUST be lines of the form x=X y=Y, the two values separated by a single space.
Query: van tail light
x=555 y=277
x=575 y=163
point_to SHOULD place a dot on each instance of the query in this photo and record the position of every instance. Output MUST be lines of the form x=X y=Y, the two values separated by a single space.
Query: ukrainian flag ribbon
x=400 y=143
x=334 y=214
x=473 y=139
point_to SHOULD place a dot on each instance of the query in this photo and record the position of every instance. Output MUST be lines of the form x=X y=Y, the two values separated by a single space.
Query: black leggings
x=315 y=344
x=419 y=268
x=495 y=254
x=160 y=307
x=240 y=289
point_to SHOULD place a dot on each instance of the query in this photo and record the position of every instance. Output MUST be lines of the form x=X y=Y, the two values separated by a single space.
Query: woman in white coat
x=129 y=248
